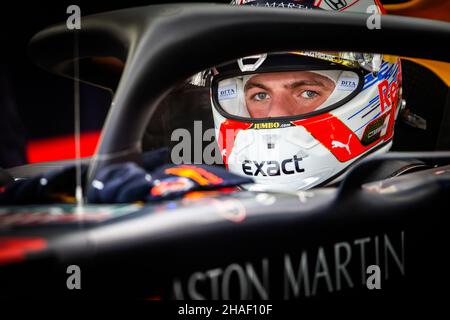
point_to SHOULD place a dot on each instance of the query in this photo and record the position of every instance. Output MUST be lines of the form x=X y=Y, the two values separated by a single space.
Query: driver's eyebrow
x=292 y=85
x=251 y=84
x=299 y=83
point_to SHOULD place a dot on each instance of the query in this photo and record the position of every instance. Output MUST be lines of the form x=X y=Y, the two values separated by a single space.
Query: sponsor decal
x=347 y=83
x=373 y=130
x=388 y=94
x=281 y=4
x=336 y=4
x=171 y=185
x=330 y=268
x=227 y=92
x=270 y=125
x=339 y=144
x=340 y=5
x=334 y=130
x=272 y=167
x=327 y=57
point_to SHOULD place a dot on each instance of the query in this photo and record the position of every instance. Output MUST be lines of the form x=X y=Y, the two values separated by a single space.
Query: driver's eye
x=260 y=96
x=309 y=94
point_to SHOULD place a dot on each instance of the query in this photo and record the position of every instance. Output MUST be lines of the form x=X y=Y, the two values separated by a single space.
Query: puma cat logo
x=338 y=144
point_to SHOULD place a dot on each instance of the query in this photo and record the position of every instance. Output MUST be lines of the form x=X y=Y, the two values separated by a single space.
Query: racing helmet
x=295 y=120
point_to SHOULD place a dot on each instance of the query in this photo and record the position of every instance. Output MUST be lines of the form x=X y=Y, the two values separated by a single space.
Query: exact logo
x=272 y=167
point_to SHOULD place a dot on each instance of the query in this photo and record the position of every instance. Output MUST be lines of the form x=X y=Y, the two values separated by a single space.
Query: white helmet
x=295 y=120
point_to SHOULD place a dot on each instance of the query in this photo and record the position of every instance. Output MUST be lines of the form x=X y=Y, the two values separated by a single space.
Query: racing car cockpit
x=253 y=171
x=222 y=118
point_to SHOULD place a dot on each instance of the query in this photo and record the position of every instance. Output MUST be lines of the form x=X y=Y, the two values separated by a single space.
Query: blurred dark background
x=36 y=107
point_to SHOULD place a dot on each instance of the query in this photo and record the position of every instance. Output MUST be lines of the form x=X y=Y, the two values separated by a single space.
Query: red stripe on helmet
x=227 y=135
x=334 y=135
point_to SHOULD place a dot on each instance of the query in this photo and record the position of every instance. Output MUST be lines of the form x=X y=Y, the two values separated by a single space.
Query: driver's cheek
x=258 y=110
x=308 y=107
x=313 y=104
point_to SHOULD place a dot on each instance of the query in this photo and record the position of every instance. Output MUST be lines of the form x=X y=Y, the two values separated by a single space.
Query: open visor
x=261 y=90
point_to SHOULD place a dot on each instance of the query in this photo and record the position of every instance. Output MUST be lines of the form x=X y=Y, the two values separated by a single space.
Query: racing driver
x=296 y=120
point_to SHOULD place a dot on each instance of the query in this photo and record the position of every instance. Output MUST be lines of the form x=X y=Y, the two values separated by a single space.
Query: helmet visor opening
x=290 y=93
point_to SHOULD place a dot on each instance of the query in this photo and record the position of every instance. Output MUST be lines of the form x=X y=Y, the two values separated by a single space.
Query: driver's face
x=282 y=94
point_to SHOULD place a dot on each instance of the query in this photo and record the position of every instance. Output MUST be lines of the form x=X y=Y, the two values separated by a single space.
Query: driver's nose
x=282 y=105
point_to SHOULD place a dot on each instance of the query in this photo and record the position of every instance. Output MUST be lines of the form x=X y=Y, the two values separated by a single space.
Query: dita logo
x=336 y=4
x=347 y=84
x=338 y=144
x=227 y=92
